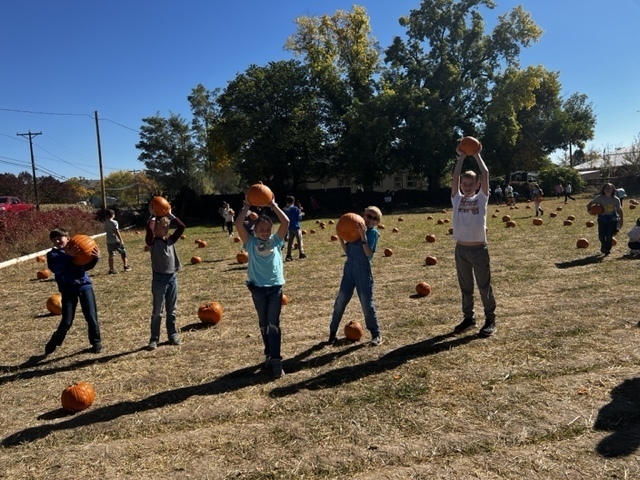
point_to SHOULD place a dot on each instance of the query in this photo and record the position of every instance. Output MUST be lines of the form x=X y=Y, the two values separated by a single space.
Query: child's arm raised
x=284 y=220
x=241 y=228
x=484 y=173
x=455 y=180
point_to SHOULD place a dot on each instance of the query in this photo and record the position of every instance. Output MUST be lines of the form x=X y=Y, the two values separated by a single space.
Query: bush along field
x=554 y=394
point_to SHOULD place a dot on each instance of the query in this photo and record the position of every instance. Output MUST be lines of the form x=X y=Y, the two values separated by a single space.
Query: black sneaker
x=50 y=347
x=97 y=348
x=112 y=272
x=332 y=338
x=302 y=255
x=464 y=326
x=278 y=371
x=488 y=329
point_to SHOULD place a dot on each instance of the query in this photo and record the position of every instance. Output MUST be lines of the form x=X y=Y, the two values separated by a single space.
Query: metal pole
x=33 y=163
x=104 y=193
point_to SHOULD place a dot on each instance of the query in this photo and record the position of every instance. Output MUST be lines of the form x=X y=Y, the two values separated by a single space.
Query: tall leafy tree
x=444 y=70
x=168 y=152
x=578 y=122
x=270 y=122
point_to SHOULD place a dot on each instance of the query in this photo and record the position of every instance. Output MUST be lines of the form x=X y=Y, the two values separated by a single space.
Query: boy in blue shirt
x=295 y=216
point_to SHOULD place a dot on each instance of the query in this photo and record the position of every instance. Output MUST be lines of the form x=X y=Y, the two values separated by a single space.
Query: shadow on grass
x=578 y=262
x=232 y=381
x=622 y=417
x=39 y=361
x=391 y=360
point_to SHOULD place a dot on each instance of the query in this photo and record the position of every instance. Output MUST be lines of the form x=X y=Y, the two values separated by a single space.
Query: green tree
x=270 y=125
x=578 y=122
x=444 y=71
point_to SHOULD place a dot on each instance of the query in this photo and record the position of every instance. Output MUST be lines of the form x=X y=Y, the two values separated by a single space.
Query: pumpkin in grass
x=331 y=222
x=84 y=245
x=347 y=227
x=582 y=243
x=395 y=230
x=431 y=260
x=423 y=289
x=388 y=252
x=334 y=238
x=430 y=238
x=242 y=257
x=511 y=224
x=195 y=260
x=41 y=259
x=54 y=304
x=353 y=331
x=284 y=300
x=259 y=195
x=159 y=206
x=537 y=221
x=210 y=312
x=469 y=145
x=590 y=223
x=553 y=214
x=567 y=223
x=614 y=242
x=506 y=218
x=202 y=244
x=77 y=397
x=572 y=218
x=43 y=274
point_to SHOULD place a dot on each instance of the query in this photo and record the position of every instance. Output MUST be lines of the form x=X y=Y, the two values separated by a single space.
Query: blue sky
x=131 y=59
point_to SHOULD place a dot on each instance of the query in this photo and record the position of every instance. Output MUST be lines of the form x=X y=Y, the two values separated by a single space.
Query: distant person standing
x=610 y=219
x=498 y=194
x=621 y=194
x=115 y=243
x=221 y=212
x=537 y=195
x=567 y=192
x=508 y=193
x=294 y=232
x=559 y=190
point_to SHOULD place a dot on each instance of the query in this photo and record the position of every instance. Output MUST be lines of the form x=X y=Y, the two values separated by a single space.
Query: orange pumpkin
x=195 y=260
x=614 y=242
x=469 y=145
x=559 y=209
x=537 y=221
x=430 y=238
x=395 y=230
x=571 y=217
x=388 y=252
x=596 y=209
x=591 y=223
x=511 y=224
x=259 y=195
x=429 y=217
x=431 y=260
x=334 y=238
x=85 y=245
x=312 y=231
x=506 y=218
x=423 y=289
x=210 y=312
x=54 y=304
x=567 y=222
x=41 y=259
x=347 y=227
x=401 y=219
x=202 y=244
x=582 y=243
x=237 y=239
x=553 y=214
x=159 y=206
x=381 y=226
x=242 y=257
x=331 y=222
x=43 y=274
x=632 y=206
x=353 y=331
x=77 y=396
x=183 y=236
x=284 y=300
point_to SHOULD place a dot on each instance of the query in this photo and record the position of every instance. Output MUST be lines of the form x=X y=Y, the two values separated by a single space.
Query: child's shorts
x=114 y=248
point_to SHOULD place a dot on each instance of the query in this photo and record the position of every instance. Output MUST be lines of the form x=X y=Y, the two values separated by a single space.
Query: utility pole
x=104 y=193
x=33 y=163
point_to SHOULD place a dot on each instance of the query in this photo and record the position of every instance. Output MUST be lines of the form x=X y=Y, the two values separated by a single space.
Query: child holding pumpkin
x=164 y=284
x=265 y=278
x=74 y=284
x=357 y=275
x=470 y=197
x=610 y=220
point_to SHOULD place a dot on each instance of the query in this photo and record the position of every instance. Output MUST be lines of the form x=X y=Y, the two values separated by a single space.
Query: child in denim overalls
x=357 y=275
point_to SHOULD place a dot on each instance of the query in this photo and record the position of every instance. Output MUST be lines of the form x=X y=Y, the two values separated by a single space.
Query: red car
x=14 y=204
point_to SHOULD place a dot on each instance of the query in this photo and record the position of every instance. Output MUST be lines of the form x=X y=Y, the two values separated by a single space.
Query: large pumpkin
x=347 y=227
x=195 y=260
x=210 y=312
x=353 y=331
x=259 y=195
x=596 y=209
x=54 y=304
x=78 y=396
x=85 y=245
x=423 y=289
x=159 y=206
x=469 y=145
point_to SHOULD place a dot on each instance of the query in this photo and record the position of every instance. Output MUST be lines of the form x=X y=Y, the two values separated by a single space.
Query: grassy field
x=555 y=394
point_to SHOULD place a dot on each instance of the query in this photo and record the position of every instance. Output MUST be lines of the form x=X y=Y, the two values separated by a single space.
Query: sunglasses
x=371 y=217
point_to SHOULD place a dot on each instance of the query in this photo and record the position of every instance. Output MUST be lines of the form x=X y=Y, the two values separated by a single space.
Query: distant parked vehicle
x=14 y=204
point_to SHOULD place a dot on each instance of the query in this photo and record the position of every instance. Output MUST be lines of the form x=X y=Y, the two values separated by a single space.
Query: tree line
x=346 y=107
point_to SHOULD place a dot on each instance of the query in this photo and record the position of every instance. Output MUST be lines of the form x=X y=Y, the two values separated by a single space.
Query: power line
x=46 y=113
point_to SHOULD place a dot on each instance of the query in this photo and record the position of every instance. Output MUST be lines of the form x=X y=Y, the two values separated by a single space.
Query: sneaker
x=288 y=259
x=175 y=340
x=332 y=338
x=375 y=341
x=278 y=372
x=488 y=329
x=464 y=326
x=127 y=268
x=50 y=347
x=267 y=365
x=97 y=348
x=302 y=255
x=112 y=272
x=152 y=345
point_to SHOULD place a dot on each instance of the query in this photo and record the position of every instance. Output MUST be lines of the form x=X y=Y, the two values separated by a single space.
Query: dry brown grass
x=553 y=395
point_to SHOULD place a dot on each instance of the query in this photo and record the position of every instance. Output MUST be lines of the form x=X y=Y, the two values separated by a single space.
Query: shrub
x=23 y=233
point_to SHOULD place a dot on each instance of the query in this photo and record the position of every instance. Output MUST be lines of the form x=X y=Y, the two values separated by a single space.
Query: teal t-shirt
x=265 y=261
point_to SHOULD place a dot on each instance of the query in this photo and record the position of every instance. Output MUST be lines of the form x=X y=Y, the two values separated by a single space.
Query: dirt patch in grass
x=553 y=395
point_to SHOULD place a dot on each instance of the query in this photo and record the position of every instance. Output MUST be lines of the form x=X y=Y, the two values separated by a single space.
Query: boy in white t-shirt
x=470 y=197
x=634 y=239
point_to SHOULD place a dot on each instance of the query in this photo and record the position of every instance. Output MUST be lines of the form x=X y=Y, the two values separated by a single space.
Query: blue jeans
x=164 y=287
x=357 y=275
x=268 y=303
x=474 y=261
x=607 y=228
x=89 y=310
